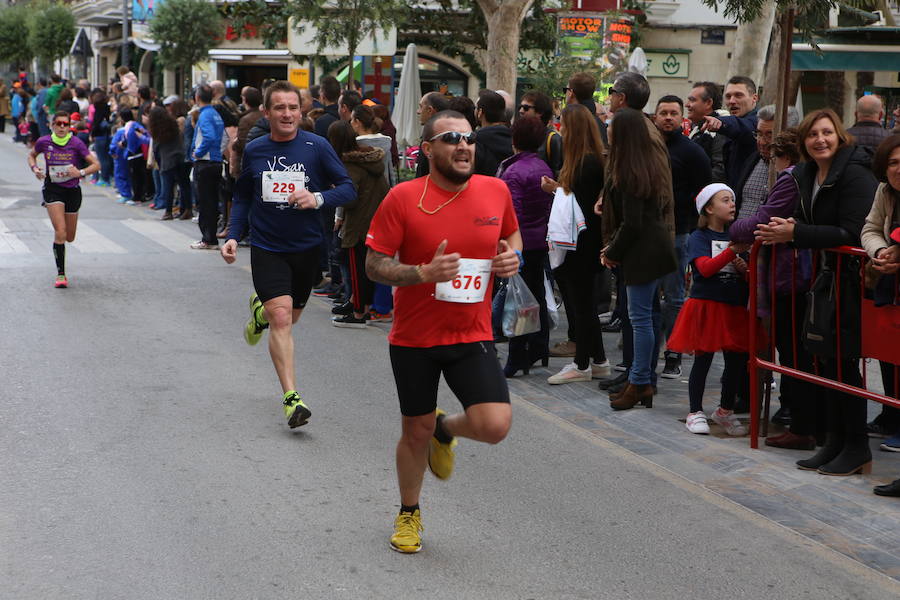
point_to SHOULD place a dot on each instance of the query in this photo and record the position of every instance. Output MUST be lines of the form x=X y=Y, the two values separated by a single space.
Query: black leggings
x=732 y=378
x=577 y=275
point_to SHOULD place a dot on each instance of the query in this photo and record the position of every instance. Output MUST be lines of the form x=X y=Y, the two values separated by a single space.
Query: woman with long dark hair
x=169 y=153
x=639 y=233
x=582 y=174
x=837 y=188
x=365 y=165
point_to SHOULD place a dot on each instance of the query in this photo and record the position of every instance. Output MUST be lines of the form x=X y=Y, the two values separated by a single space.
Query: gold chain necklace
x=425 y=191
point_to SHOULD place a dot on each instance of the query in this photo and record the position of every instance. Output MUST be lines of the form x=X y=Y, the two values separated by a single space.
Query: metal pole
x=125 y=23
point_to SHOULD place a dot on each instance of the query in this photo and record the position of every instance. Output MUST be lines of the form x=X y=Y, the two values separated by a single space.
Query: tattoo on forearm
x=389 y=271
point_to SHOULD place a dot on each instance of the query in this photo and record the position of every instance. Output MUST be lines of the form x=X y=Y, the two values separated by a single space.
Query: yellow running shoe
x=441 y=456
x=296 y=412
x=407 y=536
x=254 y=328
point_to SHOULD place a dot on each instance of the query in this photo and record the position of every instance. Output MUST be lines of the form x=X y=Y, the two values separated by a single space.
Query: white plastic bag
x=521 y=312
x=552 y=312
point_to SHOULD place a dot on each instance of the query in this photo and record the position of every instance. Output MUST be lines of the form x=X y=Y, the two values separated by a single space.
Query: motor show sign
x=591 y=35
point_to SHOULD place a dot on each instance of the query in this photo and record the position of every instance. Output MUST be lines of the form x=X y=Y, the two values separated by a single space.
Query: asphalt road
x=145 y=455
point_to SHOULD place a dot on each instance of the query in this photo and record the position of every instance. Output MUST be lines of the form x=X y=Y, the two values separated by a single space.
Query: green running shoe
x=296 y=412
x=256 y=325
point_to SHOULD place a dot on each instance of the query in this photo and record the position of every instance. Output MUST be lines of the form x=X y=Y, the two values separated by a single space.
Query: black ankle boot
x=834 y=443
x=856 y=457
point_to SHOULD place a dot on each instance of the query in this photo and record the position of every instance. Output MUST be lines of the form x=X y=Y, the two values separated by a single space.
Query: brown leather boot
x=617 y=395
x=633 y=395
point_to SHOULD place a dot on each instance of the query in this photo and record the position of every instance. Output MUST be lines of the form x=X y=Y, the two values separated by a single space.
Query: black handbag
x=819 y=333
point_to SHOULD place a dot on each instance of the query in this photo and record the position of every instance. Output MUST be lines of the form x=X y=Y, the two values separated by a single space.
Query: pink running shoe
x=61 y=282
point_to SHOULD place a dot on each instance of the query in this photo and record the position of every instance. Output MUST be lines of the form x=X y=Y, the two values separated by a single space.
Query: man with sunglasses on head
x=286 y=177
x=440 y=240
x=536 y=104
x=68 y=161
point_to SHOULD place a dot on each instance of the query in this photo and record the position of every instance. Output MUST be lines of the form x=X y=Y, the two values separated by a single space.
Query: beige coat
x=876 y=233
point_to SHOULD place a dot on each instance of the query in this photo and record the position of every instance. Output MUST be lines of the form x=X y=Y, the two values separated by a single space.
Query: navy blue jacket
x=741 y=143
x=691 y=172
x=274 y=226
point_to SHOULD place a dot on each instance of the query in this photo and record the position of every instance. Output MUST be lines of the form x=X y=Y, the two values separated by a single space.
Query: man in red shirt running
x=451 y=232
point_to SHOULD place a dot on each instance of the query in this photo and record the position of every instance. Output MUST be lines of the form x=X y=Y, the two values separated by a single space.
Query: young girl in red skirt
x=715 y=318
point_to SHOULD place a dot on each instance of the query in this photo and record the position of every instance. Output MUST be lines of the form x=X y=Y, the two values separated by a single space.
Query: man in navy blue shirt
x=285 y=178
x=207 y=155
x=739 y=128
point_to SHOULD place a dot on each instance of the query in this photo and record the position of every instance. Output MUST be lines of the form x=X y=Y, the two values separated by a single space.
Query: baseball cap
x=170 y=99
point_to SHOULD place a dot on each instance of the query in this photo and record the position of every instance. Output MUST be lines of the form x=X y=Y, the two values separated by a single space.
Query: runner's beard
x=446 y=169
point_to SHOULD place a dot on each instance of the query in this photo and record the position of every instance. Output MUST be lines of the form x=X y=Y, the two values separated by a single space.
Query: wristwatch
x=320 y=200
x=82 y=173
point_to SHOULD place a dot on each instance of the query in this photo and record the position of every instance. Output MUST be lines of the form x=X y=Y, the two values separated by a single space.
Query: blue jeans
x=101 y=148
x=673 y=286
x=166 y=188
x=157 y=189
x=640 y=313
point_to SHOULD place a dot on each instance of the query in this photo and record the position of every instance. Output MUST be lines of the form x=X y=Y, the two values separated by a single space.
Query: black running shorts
x=471 y=370
x=284 y=274
x=69 y=197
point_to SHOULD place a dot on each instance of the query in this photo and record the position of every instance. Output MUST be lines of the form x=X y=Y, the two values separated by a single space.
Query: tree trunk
x=769 y=93
x=751 y=44
x=504 y=21
x=888 y=15
x=834 y=91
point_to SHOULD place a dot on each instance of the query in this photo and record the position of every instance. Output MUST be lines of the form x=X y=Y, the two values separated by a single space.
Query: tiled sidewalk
x=839 y=512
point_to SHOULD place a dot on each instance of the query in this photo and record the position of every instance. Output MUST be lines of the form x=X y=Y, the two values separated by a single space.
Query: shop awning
x=845 y=57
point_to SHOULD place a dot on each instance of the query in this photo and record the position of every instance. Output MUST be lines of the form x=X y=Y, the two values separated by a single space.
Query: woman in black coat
x=639 y=233
x=837 y=188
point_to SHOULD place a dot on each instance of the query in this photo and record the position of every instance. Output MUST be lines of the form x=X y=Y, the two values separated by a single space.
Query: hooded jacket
x=366 y=169
x=493 y=145
x=835 y=216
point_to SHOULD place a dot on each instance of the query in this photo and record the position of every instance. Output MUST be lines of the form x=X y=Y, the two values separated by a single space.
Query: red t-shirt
x=473 y=225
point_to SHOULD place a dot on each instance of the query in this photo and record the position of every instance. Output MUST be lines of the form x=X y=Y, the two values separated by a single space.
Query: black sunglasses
x=525 y=107
x=454 y=137
x=566 y=89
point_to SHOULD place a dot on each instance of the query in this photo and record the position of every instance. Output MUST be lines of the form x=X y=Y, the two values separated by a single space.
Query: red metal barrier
x=879 y=332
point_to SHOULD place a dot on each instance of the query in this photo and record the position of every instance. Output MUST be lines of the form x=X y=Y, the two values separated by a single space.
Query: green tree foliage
x=14 y=47
x=456 y=27
x=51 y=31
x=345 y=23
x=185 y=30
x=267 y=19
x=812 y=15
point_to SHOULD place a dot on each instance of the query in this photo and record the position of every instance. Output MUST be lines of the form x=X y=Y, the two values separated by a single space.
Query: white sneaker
x=569 y=374
x=599 y=370
x=729 y=422
x=696 y=423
